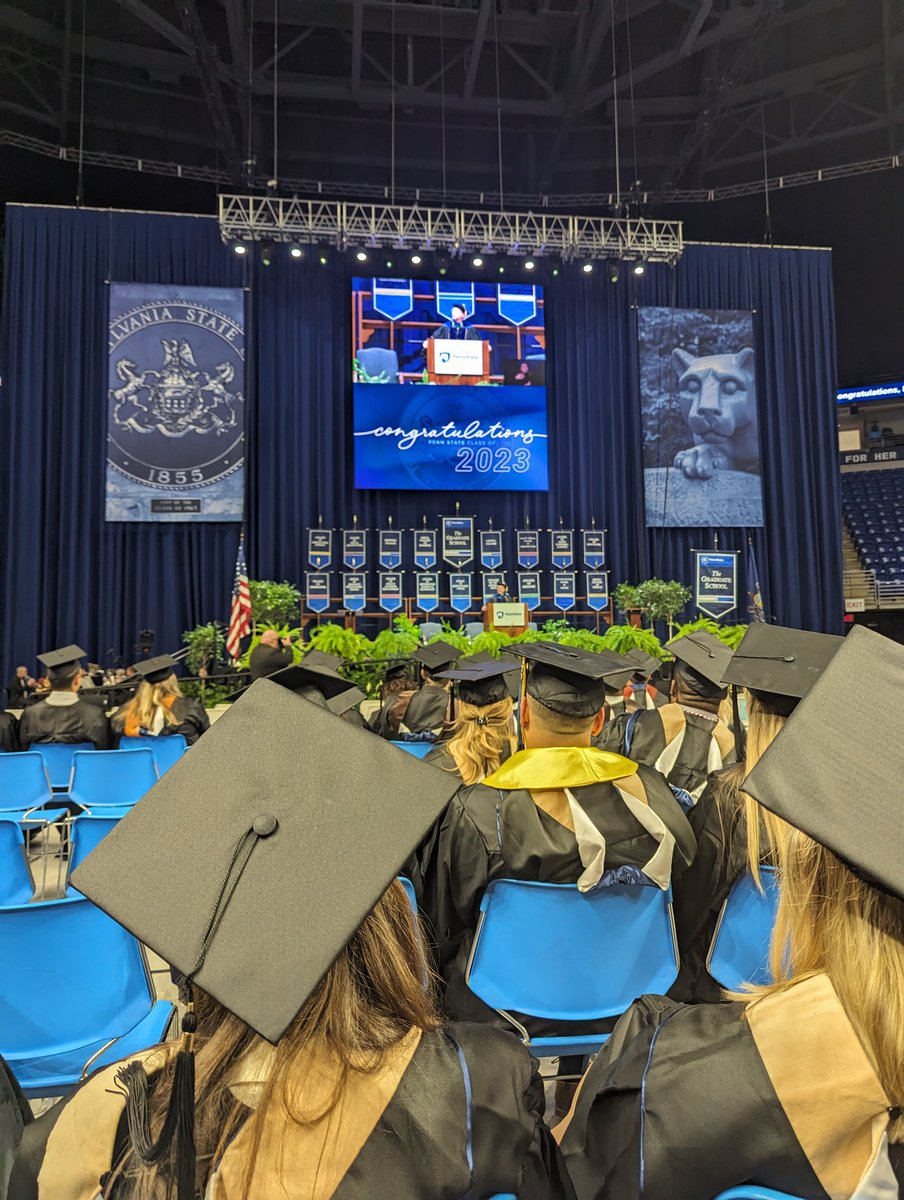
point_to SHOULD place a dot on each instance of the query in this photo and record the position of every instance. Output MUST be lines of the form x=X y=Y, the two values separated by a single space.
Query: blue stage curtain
x=69 y=576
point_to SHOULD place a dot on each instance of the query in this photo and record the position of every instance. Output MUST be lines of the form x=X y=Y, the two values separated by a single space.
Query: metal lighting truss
x=455 y=230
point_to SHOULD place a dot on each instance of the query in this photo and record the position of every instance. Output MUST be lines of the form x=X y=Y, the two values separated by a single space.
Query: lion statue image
x=718 y=400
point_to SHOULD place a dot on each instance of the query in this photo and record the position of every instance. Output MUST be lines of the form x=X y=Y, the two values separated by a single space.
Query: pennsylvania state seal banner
x=175 y=403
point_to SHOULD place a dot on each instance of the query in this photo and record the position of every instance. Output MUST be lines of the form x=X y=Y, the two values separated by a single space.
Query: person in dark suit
x=455 y=328
x=269 y=655
x=21 y=688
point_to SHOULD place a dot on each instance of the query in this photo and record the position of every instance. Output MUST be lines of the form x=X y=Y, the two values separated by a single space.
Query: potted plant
x=627 y=601
x=274 y=605
x=731 y=635
x=660 y=599
x=622 y=638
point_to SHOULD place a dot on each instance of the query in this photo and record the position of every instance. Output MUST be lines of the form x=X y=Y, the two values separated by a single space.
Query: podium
x=506 y=618
x=458 y=360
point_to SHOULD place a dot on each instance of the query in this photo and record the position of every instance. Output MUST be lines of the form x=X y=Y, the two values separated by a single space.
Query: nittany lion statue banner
x=698 y=398
x=175 y=403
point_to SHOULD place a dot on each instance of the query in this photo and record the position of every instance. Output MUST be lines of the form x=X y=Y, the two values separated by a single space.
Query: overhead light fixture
x=361 y=256
x=239 y=248
x=389 y=264
x=502 y=270
x=267 y=249
x=529 y=264
x=296 y=252
x=587 y=268
x=443 y=260
x=323 y=260
x=416 y=259
x=555 y=270
x=476 y=261
x=614 y=270
x=639 y=268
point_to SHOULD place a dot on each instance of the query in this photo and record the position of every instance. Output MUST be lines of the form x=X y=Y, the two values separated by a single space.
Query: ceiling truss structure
x=713 y=86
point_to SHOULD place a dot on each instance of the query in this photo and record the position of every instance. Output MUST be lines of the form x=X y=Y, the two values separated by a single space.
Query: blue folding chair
x=750 y=1191
x=16 y=884
x=24 y=782
x=167 y=748
x=418 y=749
x=112 y=778
x=75 y=994
x=549 y=951
x=739 y=952
x=57 y=758
x=86 y=833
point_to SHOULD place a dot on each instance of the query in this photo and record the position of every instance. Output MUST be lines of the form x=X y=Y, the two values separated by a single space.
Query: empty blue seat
x=429 y=629
x=739 y=952
x=167 y=749
x=16 y=885
x=552 y=952
x=24 y=782
x=71 y=980
x=87 y=831
x=112 y=777
x=57 y=758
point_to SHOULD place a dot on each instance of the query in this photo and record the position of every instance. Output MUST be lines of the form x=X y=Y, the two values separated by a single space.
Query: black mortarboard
x=643 y=663
x=302 y=675
x=703 y=653
x=299 y=823
x=155 y=670
x=833 y=772
x=345 y=700
x=565 y=679
x=483 y=682
x=319 y=658
x=780 y=665
x=436 y=655
x=66 y=656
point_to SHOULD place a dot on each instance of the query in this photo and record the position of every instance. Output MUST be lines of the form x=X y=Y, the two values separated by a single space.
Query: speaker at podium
x=458 y=360
x=508 y=617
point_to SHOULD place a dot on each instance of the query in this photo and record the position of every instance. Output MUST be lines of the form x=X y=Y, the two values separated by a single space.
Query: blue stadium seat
x=16 y=885
x=751 y=1191
x=739 y=952
x=552 y=952
x=57 y=758
x=417 y=749
x=112 y=777
x=87 y=831
x=167 y=749
x=24 y=782
x=71 y=980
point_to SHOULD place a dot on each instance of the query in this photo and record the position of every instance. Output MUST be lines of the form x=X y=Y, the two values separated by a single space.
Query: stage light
x=614 y=272
x=267 y=249
x=416 y=260
x=442 y=270
x=555 y=270
x=239 y=248
x=443 y=259
x=389 y=264
x=361 y=256
x=529 y=264
x=502 y=270
x=323 y=260
x=587 y=268
x=476 y=261
x=296 y=252
x=639 y=268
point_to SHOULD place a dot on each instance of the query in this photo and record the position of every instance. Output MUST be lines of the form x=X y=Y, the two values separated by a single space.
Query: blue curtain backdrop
x=69 y=576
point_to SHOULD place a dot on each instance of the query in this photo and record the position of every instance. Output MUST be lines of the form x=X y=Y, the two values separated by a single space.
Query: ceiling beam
x=357 y=40
x=529 y=70
x=691 y=31
x=480 y=32
x=150 y=17
x=207 y=62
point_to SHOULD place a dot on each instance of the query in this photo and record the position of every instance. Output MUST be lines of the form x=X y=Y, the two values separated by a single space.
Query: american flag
x=240 y=613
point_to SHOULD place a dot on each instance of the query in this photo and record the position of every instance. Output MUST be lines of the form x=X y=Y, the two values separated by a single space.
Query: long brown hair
x=139 y=712
x=376 y=992
x=831 y=921
x=481 y=738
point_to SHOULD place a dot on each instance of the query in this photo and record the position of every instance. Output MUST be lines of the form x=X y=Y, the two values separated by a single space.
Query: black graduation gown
x=684 y=745
x=191 y=720
x=487 y=834
x=688 y=1101
x=79 y=722
x=15 y=1114
x=355 y=718
x=464 y=1084
x=426 y=709
x=266 y=660
x=9 y=732
x=440 y=757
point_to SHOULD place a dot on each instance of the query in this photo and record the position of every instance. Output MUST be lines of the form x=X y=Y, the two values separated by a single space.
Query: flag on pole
x=754 y=595
x=240 y=613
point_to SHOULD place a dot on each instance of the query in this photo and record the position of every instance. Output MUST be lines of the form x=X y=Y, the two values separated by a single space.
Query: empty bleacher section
x=873 y=506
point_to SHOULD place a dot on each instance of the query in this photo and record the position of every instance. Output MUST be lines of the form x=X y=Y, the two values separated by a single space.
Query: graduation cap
x=155 y=670
x=345 y=700
x=297 y=676
x=66 y=656
x=832 y=756
x=298 y=825
x=566 y=679
x=319 y=658
x=780 y=665
x=703 y=653
x=484 y=682
x=436 y=656
x=644 y=664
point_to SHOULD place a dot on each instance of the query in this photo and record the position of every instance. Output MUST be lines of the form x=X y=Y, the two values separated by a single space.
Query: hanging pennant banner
x=460 y=592
x=317 y=587
x=594 y=548
x=390 y=591
x=354 y=548
x=393 y=298
x=458 y=540
x=528 y=541
x=529 y=588
x=563 y=590
x=427 y=598
x=490 y=579
x=597 y=590
x=715 y=582
x=390 y=548
x=354 y=591
x=320 y=548
x=562 y=542
x=490 y=548
x=517 y=302
x=424 y=549
x=449 y=294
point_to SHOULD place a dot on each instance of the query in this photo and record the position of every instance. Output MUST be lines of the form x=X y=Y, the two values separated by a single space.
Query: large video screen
x=449 y=385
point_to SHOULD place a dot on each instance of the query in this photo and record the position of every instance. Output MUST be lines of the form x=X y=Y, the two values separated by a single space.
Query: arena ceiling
x=381 y=94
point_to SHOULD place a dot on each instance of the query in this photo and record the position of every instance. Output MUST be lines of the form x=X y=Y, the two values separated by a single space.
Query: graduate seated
x=9 y=732
x=481 y=735
x=63 y=715
x=798 y=1086
x=313 y=1061
x=158 y=707
x=685 y=739
x=558 y=810
x=778 y=667
x=426 y=708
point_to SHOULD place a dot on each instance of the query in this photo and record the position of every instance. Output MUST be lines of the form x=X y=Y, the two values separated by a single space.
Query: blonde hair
x=139 y=711
x=831 y=921
x=478 y=749
x=761 y=828
x=376 y=991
